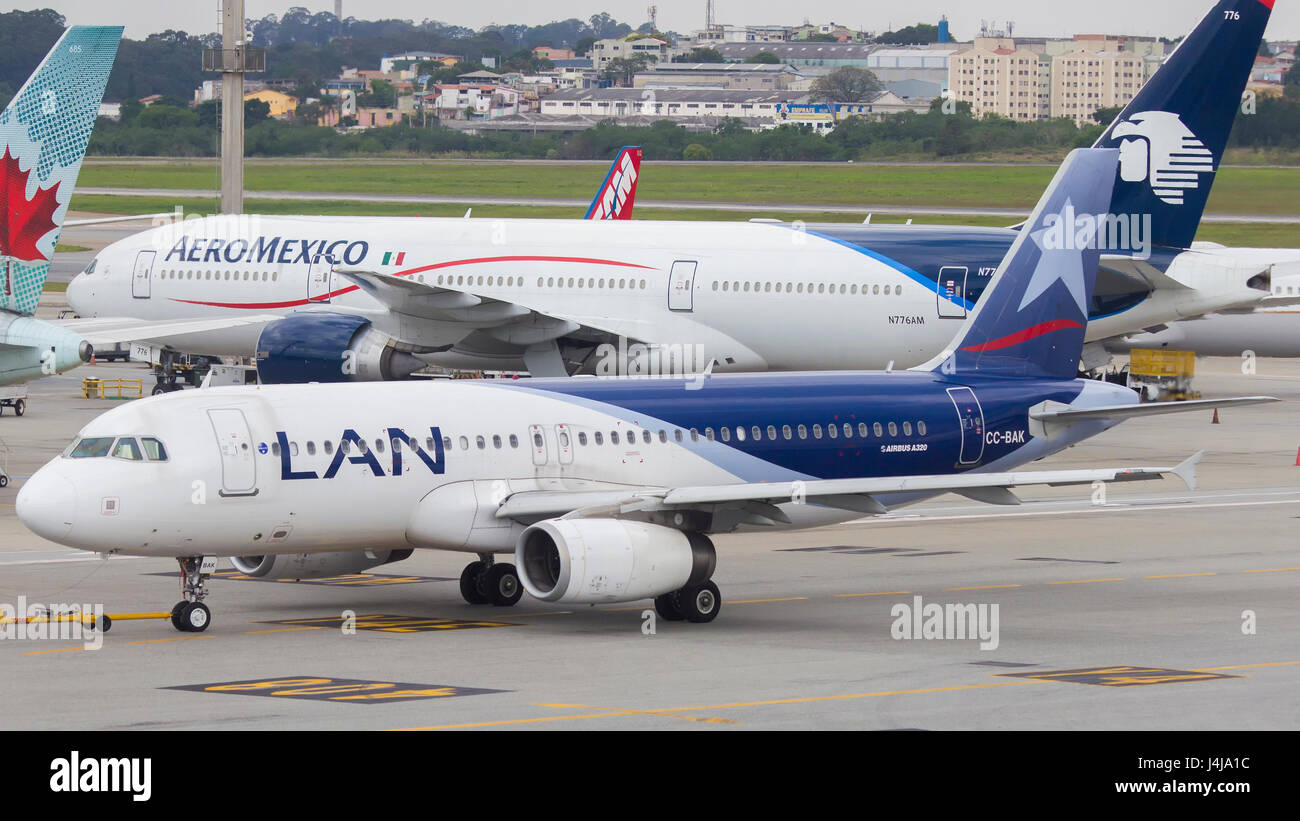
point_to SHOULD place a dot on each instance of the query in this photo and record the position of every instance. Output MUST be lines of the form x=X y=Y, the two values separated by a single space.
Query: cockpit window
x=90 y=269
x=91 y=448
x=154 y=450
x=128 y=448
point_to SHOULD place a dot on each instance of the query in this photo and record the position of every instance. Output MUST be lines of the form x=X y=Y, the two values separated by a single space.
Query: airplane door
x=564 y=444
x=681 y=286
x=971 y=418
x=952 y=293
x=537 y=440
x=141 y=277
x=319 y=276
x=238 y=461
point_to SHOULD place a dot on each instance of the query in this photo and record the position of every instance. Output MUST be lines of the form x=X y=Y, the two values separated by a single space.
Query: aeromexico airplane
x=44 y=131
x=606 y=490
x=328 y=299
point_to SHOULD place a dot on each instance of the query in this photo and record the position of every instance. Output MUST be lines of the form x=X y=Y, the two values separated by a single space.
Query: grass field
x=1262 y=235
x=1237 y=190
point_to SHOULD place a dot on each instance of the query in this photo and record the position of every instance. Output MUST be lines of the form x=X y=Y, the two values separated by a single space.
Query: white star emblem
x=1058 y=260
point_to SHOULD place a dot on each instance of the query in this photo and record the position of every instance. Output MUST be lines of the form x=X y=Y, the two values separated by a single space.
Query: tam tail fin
x=617 y=193
x=1172 y=135
x=45 y=129
x=1033 y=315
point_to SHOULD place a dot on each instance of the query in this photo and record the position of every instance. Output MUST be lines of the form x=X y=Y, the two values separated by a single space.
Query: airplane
x=44 y=130
x=605 y=490
x=377 y=298
x=1272 y=328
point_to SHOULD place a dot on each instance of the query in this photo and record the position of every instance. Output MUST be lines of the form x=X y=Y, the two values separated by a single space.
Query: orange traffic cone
x=1215 y=420
x=1297 y=458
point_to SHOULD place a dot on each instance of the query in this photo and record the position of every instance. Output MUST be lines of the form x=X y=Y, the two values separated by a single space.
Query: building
x=823 y=117
x=465 y=101
x=721 y=33
x=803 y=55
x=671 y=104
x=842 y=34
x=387 y=64
x=997 y=77
x=282 y=105
x=553 y=54
x=746 y=76
x=928 y=64
x=652 y=49
x=1085 y=81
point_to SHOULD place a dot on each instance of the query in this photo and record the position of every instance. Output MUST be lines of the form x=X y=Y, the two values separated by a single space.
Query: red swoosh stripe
x=1025 y=335
x=259 y=306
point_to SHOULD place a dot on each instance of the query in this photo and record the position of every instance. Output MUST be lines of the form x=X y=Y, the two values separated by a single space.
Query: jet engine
x=588 y=561
x=315 y=565
x=327 y=347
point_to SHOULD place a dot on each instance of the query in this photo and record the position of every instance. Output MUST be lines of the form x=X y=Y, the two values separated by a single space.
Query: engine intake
x=316 y=565
x=328 y=347
x=587 y=561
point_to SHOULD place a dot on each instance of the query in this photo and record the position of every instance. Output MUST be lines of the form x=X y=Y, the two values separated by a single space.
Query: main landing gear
x=191 y=615
x=486 y=582
x=697 y=603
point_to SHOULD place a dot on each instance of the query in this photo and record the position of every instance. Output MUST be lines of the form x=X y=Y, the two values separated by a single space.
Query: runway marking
x=885 y=593
x=727 y=706
x=63 y=650
x=1245 y=666
x=386 y=623
x=280 y=630
x=1272 y=570
x=1180 y=575
x=175 y=638
x=355 y=691
x=981 y=587
x=1087 y=581
x=630 y=712
x=765 y=601
x=1121 y=676
x=543 y=613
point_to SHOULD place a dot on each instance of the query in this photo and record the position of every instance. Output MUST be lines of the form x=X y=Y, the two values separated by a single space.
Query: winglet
x=1186 y=469
x=617 y=193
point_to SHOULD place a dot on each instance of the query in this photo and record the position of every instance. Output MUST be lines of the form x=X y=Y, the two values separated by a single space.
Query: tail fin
x=44 y=130
x=1034 y=312
x=1173 y=133
x=614 y=199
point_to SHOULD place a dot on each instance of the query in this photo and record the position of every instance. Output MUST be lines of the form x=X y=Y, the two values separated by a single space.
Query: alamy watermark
x=950 y=621
x=52 y=622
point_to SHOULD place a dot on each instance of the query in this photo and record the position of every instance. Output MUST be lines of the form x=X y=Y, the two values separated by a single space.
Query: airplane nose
x=46 y=504
x=76 y=293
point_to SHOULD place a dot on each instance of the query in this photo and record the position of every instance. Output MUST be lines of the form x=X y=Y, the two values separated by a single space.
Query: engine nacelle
x=587 y=561
x=315 y=565
x=328 y=347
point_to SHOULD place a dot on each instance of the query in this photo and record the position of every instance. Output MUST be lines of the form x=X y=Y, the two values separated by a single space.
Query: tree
x=846 y=85
x=695 y=151
x=701 y=55
x=920 y=33
x=620 y=70
x=583 y=46
x=765 y=58
x=1106 y=116
x=256 y=111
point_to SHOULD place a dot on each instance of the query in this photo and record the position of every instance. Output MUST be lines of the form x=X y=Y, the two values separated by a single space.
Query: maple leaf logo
x=23 y=221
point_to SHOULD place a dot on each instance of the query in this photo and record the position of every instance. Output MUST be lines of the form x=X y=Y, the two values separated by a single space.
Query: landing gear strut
x=191 y=615
x=699 y=603
x=486 y=582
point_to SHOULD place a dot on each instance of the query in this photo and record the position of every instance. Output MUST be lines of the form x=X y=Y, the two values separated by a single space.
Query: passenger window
x=600 y=437
x=817 y=431
x=154 y=450
x=920 y=428
x=848 y=431
x=878 y=430
x=345 y=446
x=645 y=436
x=538 y=442
x=293 y=448
x=613 y=437
x=379 y=445
x=907 y=428
x=757 y=433
x=786 y=432
x=464 y=442
x=311 y=448
x=582 y=438
x=481 y=442
x=863 y=430
x=128 y=449
x=677 y=435
x=695 y=435
x=91 y=448
x=726 y=434
x=329 y=447
x=803 y=431
x=496 y=440
x=893 y=429
x=832 y=431
x=275 y=448
x=446 y=442
x=771 y=431
x=663 y=435
x=708 y=434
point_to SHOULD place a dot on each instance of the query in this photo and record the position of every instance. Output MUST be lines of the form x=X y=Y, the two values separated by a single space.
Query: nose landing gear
x=191 y=615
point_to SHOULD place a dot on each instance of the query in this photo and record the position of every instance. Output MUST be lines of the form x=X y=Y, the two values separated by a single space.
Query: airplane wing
x=760 y=499
x=1050 y=419
x=115 y=330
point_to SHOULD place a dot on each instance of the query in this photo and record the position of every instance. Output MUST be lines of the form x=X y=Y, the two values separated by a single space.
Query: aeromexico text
x=267 y=250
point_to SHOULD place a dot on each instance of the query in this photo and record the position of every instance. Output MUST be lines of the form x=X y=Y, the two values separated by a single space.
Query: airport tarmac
x=1171 y=609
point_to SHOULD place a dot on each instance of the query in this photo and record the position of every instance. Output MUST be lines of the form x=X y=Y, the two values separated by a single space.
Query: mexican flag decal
x=394 y=257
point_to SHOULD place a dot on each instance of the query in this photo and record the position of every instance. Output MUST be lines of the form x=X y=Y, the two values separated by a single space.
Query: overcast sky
x=1032 y=17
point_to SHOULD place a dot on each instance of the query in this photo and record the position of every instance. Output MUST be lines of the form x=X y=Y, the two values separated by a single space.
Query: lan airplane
x=44 y=131
x=345 y=298
x=605 y=490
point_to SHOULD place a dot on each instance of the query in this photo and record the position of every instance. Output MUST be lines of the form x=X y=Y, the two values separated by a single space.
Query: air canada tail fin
x=1034 y=312
x=617 y=193
x=1172 y=135
x=44 y=131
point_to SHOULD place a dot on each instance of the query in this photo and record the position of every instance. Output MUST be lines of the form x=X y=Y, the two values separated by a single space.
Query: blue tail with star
x=1032 y=317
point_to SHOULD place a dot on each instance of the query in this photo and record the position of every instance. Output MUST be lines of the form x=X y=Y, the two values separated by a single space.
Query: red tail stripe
x=1025 y=335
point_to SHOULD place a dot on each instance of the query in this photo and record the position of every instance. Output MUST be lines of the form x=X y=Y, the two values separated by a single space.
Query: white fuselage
x=762 y=297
